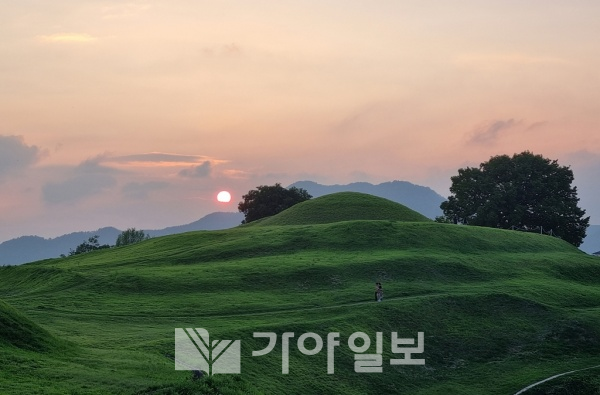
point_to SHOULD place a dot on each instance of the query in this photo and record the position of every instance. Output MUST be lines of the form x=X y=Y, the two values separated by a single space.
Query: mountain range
x=419 y=198
x=33 y=248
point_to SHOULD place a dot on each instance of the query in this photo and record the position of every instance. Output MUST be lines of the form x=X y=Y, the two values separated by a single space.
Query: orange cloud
x=161 y=159
x=236 y=174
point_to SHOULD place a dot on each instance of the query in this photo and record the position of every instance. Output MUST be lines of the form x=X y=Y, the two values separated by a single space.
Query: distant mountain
x=421 y=199
x=591 y=243
x=33 y=248
x=214 y=221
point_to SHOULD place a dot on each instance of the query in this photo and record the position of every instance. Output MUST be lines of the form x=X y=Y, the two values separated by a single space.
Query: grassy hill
x=18 y=331
x=344 y=206
x=499 y=309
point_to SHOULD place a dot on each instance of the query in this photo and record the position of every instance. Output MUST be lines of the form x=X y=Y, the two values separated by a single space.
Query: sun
x=224 y=197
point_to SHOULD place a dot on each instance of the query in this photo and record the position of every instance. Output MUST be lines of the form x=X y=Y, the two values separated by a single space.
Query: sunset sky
x=136 y=114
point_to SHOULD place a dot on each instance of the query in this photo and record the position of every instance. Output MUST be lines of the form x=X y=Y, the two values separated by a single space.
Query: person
x=378 y=292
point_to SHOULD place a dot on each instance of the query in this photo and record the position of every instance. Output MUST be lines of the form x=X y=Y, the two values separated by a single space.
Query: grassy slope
x=344 y=206
x=499 y=309
x=18 y=331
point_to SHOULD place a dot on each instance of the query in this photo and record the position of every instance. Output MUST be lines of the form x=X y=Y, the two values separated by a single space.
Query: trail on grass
x=242 y=314
x=552 y=378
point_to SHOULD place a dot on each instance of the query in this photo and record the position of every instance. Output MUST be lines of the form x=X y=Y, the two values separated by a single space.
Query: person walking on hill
x=378 y=292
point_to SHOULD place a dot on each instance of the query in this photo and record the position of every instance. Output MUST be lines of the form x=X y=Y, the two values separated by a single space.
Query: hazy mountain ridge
x=33 y=248
x=213 y=221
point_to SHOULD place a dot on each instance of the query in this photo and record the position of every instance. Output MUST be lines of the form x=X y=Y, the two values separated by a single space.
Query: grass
x=343 y=206
x=18 y=331
x=499 y=309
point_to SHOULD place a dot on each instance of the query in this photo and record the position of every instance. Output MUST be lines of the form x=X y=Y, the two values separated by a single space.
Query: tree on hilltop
x=131 y=236
x=523 y=191
x=91 y=244
x=265 y=201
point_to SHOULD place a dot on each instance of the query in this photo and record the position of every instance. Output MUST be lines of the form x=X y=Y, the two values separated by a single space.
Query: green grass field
x=499 y=309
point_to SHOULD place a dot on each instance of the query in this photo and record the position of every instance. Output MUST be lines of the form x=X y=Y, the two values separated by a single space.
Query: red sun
x=224 y=197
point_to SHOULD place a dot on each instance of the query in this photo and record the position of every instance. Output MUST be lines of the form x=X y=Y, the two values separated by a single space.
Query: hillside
x=343 y=206
x=422 y=199
x=499 y=309
x=33 y=248
x=18 y=331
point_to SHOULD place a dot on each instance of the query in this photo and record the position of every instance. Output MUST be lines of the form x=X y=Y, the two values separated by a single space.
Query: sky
x=137 y=113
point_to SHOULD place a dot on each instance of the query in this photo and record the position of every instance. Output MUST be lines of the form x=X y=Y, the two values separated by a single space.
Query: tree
x=525 y=191
x=91 y=244
x=265 y=201
x=442 y=219
x=131 y=236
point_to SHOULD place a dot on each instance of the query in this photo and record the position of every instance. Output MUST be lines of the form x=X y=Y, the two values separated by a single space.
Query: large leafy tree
x=266 y=200
x=525 y=191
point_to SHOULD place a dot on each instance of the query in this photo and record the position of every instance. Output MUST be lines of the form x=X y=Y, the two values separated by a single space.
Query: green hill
x=18 y=331
x=499 y=309
x=343 y=206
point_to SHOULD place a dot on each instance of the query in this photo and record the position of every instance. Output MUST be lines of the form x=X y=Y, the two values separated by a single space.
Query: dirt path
x=552 y=378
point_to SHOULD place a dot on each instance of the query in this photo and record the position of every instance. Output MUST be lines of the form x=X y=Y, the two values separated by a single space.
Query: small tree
x=442 y=219
x=265 y=201
x=91 y=244
x=131 y=236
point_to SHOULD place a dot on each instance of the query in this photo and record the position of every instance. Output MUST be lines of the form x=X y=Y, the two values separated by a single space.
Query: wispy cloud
x=161 y=159
x=85 y=180
x=537 y=125
x=15 y=154
x=489 y=133
x=199 y=171
x=236 y=174
x=68 y=38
